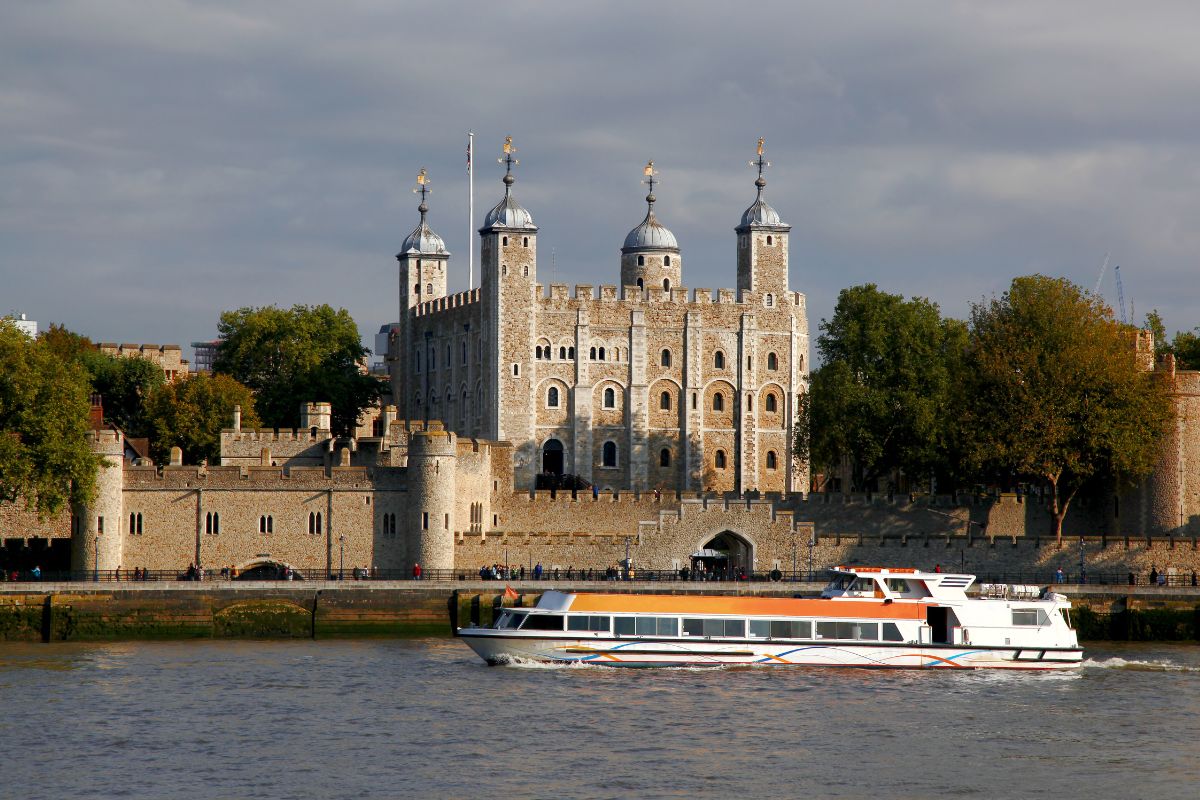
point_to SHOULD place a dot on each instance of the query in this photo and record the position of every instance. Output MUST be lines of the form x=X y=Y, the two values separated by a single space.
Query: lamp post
x=626 y=558
x=812 y=542
x=96 y=560
x=1082 y=567
x=795 y=545
x=341 y=557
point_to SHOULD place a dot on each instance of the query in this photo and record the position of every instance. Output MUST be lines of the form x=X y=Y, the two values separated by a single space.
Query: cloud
x=162 y=162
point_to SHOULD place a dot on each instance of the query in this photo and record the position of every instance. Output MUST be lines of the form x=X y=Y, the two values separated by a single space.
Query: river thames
x=426 y=718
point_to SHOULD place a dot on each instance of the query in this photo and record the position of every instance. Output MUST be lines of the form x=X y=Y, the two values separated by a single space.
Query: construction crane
x=1100 y=277
x=1120 y=294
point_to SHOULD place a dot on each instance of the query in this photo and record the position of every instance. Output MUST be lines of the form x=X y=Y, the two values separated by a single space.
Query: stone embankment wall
x=77 y=613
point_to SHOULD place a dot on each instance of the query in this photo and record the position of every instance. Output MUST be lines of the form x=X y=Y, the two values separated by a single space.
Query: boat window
x=1029 y=616
x=647 y=626
x=836 y=630
x=781 y=628
x=863 y=585
x=543 y=622
x=840 y=583
x=898 y=585
x=891 y=633
x=588 y=623
x=714 y=627
x=867 y=630
x=510 y=620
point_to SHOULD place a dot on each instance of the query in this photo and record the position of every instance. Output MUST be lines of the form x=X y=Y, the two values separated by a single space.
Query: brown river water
x=426 y=718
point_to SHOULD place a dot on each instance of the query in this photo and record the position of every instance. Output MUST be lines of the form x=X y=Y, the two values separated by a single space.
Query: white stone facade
x=643 y=386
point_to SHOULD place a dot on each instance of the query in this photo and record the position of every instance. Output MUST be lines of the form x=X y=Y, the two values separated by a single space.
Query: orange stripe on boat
x=745 y=606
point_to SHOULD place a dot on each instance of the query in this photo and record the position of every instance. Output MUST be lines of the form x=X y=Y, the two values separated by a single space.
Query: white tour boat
x=865 y=617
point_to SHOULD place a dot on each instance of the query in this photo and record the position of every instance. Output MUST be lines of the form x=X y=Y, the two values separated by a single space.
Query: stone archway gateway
x=265 y=569
x=724 y=556
x=552 y=457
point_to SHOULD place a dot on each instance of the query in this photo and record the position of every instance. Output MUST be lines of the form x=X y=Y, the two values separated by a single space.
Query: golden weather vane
x=422 y=186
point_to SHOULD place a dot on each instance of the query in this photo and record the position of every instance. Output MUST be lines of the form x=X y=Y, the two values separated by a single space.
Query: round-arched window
x=552 y=397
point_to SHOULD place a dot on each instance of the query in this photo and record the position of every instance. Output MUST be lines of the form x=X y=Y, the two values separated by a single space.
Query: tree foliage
x=190 y=414
x=1053 y=392
x=882 y=396
x=288 y=357
x=123 y=384
x=44 y=456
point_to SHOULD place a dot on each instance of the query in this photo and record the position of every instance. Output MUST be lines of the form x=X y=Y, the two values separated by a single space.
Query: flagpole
x=471 y=211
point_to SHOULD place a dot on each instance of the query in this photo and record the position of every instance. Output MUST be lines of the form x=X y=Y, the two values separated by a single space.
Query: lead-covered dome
x=423 y=241
x=508 y=213
x=760 y=213
x=650 y=235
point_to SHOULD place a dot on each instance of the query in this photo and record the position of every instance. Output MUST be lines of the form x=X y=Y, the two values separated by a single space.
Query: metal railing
x=573 y=575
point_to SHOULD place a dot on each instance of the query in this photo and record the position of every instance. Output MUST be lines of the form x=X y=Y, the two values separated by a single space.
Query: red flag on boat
x=510 y=592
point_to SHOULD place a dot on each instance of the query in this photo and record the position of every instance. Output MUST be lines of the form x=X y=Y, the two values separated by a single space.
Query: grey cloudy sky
x=163 y=161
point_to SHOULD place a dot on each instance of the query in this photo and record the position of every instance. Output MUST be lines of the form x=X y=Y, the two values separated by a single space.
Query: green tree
x=123 y=385
x=1154 y=324
x=44 y=456
x=882 y=396
x=1186 y=347
x=288 y=357
x=190 y=414
x=1054 y=393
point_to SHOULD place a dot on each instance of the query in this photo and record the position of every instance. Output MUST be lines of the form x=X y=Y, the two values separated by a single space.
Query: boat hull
x=500 y=647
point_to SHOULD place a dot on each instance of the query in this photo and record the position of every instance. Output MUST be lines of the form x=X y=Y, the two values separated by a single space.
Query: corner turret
x=762 y=249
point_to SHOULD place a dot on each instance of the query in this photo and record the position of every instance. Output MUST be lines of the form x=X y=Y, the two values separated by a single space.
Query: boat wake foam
x=1136 y=665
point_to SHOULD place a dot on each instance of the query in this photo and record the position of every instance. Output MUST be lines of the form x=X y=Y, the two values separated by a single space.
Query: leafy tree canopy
x=291 y=356
x=124 y=383
x=1054 y=392
x=882 y=396
x=190 y=414
x=44 y=456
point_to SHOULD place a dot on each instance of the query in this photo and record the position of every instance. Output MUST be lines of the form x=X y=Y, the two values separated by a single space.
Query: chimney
x=176 y=457
x=237 y=418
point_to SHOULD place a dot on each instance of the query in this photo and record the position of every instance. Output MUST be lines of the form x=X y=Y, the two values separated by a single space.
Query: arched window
x=770 y=240
x=772 y=460
x=610 y=398
x=664 y=458
x=665 y=358
x=666 y=284
x=562 y=352
x=770 y=403
x=266 y=524
x=641 y=263
x=318 y=522
x=525 y=270
x=429 y=288
x=719 y=459
x=664 y=401
x=718 y=360
x=770 y=300
x=552 y=397
x=464 y=352
x=609 y=455
x=666 y=261
x=524 y=241
x=312 y=522
x=641 y=283
x=772 y=361
x=571 y=352
x=516 y=370
x=602 y=354
x=416 y=288
x=592 y=354
x=504 y=241
x=537 y=351
x=718 y=402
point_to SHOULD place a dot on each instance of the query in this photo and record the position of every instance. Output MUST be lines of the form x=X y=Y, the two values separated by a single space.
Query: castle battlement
x=456 y=300
x=273 y=435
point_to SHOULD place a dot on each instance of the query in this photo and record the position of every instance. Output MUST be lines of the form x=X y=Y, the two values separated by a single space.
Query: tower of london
x=640 y=385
